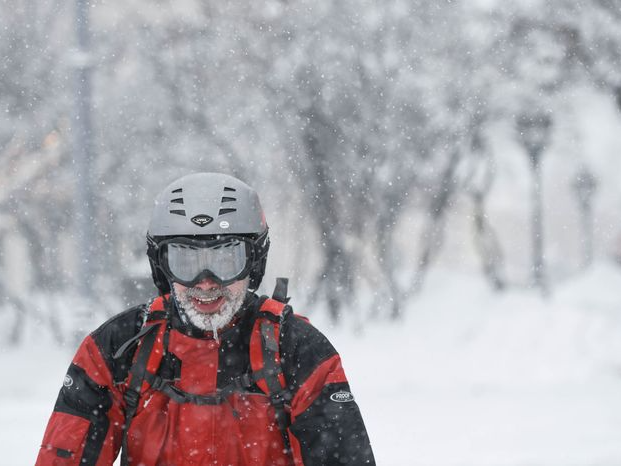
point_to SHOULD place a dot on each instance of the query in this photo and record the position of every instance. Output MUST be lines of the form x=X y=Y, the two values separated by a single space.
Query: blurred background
x=441 y=181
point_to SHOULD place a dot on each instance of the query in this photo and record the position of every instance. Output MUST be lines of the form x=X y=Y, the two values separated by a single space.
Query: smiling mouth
x=207 y=300
x=208 y=305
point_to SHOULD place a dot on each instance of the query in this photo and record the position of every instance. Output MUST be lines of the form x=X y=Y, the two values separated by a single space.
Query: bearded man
x=207 y=373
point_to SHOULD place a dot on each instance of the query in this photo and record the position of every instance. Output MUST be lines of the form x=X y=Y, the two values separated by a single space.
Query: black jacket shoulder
x=112 y=334
x=302 y=349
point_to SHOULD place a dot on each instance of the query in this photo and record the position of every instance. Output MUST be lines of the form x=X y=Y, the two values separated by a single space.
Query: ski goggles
x=189 y=261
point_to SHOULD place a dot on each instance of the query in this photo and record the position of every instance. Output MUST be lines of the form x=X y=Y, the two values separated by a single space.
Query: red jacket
x=325 y=426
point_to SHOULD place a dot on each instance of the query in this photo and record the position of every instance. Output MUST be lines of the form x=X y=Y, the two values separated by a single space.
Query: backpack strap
x=280 y=290
x=154 y=334
x=265 y=362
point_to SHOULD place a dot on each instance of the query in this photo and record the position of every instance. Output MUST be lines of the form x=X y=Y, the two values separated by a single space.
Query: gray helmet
x=207 y=205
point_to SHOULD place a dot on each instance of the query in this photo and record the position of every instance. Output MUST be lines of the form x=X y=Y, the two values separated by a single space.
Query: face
x=210 y=306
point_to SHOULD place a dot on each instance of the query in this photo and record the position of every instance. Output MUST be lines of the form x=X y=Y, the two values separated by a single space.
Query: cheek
x=180 y=290
x=238 y=287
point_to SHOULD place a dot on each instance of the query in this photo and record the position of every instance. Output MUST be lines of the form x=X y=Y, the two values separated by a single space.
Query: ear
x=257 y=272
x=159 y=279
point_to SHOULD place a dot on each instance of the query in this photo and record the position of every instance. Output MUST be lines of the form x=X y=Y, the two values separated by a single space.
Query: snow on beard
x=233 y=300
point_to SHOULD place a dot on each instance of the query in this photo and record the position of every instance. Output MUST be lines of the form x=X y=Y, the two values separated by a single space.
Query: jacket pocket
x=63 y=443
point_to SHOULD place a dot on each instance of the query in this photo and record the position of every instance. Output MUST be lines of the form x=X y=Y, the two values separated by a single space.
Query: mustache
x=208 y=294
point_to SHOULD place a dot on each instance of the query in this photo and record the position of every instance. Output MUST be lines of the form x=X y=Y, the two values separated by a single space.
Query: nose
x=206 y=284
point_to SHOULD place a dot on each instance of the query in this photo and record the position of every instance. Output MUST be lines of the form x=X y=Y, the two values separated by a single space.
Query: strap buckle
x=282 y=398
x=244 y=381
x=158 y=383
x=131 y=398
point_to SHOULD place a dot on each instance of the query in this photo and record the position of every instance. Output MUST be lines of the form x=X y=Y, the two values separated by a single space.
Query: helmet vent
x=228 y=199
x=229 y=189
x=226 y=211
x=179 y=190
x=179 y=200
x=178 y=212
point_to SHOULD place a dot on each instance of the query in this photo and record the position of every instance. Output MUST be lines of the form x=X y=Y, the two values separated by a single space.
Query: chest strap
x=240 y=384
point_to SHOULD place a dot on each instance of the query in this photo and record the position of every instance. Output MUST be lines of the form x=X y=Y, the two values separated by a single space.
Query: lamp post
x=534 y=132
x=585 y=186
x=82 y=158
x=485 y=236
x=83 y=145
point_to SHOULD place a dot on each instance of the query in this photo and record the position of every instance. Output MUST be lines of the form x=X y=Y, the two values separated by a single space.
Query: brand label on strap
x=342 y=397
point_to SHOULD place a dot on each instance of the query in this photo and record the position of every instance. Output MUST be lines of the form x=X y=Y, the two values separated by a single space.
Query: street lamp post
x=585 y=186
x=485 y=236
x=83 y=145
x=82 y=159
x=534 y=132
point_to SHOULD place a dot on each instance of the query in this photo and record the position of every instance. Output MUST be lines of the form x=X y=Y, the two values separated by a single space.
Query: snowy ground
x=468 y=378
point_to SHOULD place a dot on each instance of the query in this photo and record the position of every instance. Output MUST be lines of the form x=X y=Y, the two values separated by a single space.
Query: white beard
x=210 y=322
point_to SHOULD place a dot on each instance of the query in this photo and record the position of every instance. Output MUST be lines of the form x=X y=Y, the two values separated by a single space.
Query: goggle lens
x=226 y=260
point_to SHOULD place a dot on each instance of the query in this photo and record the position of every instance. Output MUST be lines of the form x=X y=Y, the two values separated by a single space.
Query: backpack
x=266 y=370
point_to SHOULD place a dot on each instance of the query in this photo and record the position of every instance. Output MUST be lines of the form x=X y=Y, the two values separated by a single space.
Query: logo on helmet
x=201 y=220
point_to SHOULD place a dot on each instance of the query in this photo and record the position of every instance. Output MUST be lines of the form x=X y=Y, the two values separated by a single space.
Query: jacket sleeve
x=326 y=424
x=85 y=426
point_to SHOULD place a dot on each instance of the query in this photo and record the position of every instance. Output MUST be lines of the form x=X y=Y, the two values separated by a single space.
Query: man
x=208 y=372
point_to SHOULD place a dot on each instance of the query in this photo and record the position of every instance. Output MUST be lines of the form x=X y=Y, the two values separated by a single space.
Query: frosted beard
x=233 y=300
